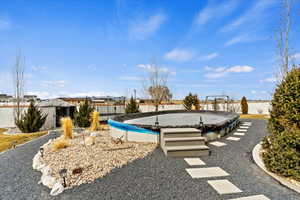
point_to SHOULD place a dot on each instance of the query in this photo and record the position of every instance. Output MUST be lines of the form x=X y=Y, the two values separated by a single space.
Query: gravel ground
x=153 y=177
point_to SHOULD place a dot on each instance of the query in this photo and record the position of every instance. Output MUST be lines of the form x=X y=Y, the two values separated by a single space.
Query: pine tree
x=244 y=105
x=281 y=148
x=188 y=101
x=132 y=106
x=32 y=120
x=191 y=101
x=83 y=115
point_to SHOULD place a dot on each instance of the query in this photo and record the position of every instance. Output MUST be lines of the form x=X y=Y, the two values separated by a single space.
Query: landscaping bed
x=87 y=161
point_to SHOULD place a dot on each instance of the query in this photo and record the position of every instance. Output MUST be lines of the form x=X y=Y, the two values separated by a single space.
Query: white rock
x=95 y=134
x=57 y=189
x=48 y=181
x=47 y=143
x=46 y=171
x=36 y=162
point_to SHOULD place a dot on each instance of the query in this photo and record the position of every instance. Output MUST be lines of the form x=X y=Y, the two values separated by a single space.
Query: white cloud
x=253 y=92
x=253 y=15
x=54 y=84
x=296 y=56
x=151 y=68
x=5 y=24
x=39 y=68
x=130 y=78
x=208 y=57
x=238 y=39
x=214 y=11
x=270 y=80
x=141 y=29
x=223 y=71
x=180 y=55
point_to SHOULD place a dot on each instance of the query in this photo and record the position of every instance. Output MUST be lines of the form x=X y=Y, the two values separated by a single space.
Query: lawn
x=256 y=116
x=6 y=141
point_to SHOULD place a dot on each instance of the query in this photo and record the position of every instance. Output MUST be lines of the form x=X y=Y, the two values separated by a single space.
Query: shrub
x=95 y=121
x=282 y=147
x=67 y=126
x=244 y=106
x=132 y=106
x=60 y=143
x=191 y=101
x=83 y=115
x=32 y=120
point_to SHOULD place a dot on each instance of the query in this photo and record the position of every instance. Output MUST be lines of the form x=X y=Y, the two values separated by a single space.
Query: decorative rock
x=57 y=189
x=48 y=181
x=90 y=140
x=95 y=134
x=36 y=163
x=47 y=171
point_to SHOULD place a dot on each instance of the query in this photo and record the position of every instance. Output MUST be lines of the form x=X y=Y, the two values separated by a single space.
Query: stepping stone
x=217 y=144
x=194 y=161
x=254 y=197
x=233 y=138
x=206 y=172
x=246 y=127
x=224 y=186
x=242 y=130
x=239 y=134
x=247 y=123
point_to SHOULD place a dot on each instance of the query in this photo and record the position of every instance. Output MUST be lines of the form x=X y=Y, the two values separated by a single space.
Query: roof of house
x=54 y=103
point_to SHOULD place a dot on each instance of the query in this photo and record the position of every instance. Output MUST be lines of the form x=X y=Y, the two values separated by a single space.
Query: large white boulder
x=36 y=162
x=48 y=180
x=57 y=189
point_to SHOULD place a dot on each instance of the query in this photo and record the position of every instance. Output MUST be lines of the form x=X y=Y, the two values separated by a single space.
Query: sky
x=95 y=48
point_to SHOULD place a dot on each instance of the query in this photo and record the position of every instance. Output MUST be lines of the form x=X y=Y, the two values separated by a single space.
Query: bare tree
x=283 y=40
x=18 y=70
x=156 y=85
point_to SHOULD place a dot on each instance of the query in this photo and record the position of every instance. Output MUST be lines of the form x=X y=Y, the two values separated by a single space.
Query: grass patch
x=6 y=141
x=256 y=116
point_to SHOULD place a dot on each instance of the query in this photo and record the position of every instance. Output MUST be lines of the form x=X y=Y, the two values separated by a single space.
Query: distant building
x=31 y=97
x=5 y=98
x=94 y=100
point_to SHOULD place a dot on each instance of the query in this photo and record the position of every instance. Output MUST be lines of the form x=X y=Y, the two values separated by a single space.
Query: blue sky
x=79 y=48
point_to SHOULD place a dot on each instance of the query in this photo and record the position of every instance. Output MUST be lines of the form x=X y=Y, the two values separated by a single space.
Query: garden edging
x=259 y=162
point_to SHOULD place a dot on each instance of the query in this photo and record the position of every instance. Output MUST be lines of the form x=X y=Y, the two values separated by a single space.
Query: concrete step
x=184 y=141
x=186 y=151
x=180 y=132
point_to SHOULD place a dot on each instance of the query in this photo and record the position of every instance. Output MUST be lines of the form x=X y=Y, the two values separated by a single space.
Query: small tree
x=191 y=100
x=244 y=106
x=188 y=102
x=32 y=120
x=132 y=106
x=282 y=146
x=83 y=115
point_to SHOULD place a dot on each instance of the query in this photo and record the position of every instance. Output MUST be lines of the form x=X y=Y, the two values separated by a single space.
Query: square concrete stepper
x=206 y=172
x=224 y=186
x=218 y=144
x=194 y=161
x=254 y=197
x=239 y=134
x=233 y=138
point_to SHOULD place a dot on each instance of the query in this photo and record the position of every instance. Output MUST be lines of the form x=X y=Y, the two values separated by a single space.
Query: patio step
x=183 y=142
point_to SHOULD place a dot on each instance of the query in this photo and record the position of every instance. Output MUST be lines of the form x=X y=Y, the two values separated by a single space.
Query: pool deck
x=156 y=176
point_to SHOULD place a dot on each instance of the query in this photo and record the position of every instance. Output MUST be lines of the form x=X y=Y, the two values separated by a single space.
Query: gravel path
x=154 y=177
